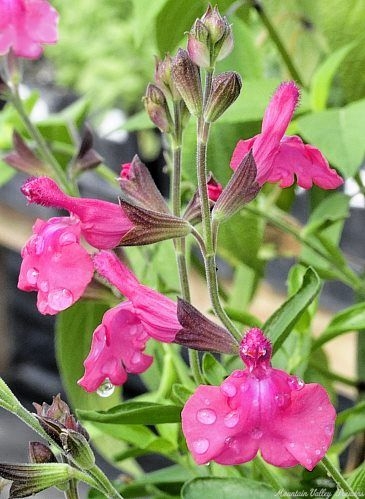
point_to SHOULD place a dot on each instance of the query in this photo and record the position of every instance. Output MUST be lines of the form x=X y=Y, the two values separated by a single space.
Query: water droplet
x=136 y=358
x=59 y=299
x=292 y=445
x=312 y=421
x=309 y=461
x=106 y=388
x=296 y=383
x=201 y=445
x=206 y=416
x=317 y=452
x=228 y=389
x=256 y=433
x=44 y=286
x=206 y=402
x=231 y=419
x=42 y=306
x=32 y=276
x=282 y=399
x=328 y=429
x=306 y=446
x=237 y=374
x=56 y=257
x=320 y=408
x=67 y=238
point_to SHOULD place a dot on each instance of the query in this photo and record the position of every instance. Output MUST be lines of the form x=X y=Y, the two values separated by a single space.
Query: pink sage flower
x=25 y=25
x=259 y=408
x=55 y=265
x=117 y=348
x=214 y=189
x=103 y=224
x=280 y=158
x=119 y=342
x=157 y=313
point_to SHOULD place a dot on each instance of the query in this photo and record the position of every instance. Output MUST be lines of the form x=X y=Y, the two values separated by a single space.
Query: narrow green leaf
x=344 y=415
x=135 y=413
x=279 y=325
x=350 y=319
x=243 y=317
x=323 y=77
x=180 y=393
x=139 y=121
x=227 y=488
x=213 y=370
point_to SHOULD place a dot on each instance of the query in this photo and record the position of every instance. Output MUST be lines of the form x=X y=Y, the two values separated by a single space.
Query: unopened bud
x=186 y=77
x=87 y=158
x=40 y=453
x=77 y=447
x=210 y=38
x=226 y=88
x=157 y=109
x=198 y=44
x=214 y=189
x=163 y=77
x=22 y=158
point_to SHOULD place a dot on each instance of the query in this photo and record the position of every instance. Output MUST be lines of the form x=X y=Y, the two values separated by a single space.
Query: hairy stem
x=270 y=477
x=337 y=477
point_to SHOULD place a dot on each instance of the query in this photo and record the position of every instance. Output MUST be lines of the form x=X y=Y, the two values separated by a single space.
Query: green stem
x=72 y=492
x=41 y=143
x=104 y=482
x=276 y=39
x=337 y=477
x=333 y=376
x=270 y=477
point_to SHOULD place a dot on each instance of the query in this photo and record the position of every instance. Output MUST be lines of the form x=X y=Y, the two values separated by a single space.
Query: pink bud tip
x=255 y=349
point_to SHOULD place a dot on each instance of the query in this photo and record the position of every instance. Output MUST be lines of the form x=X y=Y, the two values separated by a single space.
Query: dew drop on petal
x=256 y=433
x=43 y=286
x=228 y=389
x=201 y=445
x=56 y=257
x=309 y=461
x=106 y=388
x=296 y=383
x=306 y=446
x=206 y=402
x=67 y=238
x=136 y=358
x=320 y=408
x=206 y=416
x=237 y=374
x=328 y=429
x=282 y=399
x=317 y=452
x=59 y=299
x=231 y=419
x=292 y=445
x=32 y=275
x=42 y=306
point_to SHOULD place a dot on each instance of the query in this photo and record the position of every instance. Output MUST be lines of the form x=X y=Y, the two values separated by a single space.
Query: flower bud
x=78 y=448
x=87 y=158
x=210 y=38
x=198 y=45
x=163 y=77
x=226 y=88
x=40 y=453
x=22 y=158
x=186 y=77
x=157 y=109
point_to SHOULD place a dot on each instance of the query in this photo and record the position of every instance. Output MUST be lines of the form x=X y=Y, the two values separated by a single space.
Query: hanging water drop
x=201 y=445
x=59 y=299
x=67 y=238
x=231 y=419
x=206 y=416
x=106 y=389
x=228 y=389
x=32 y=276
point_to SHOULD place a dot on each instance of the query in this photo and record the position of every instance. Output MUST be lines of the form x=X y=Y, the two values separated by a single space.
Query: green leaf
x=213 y=370
x=244 y=285
x=243 y=317
x=135 y=413
x=338 y=133
x=173 y=20
x=357 y=481
x=280 y=324
x=180 y=393
x=350 y=319
x=225 y=488
x=139 y=121
x=323 y=76
x=74 y=328
x=344 y=415
x=144 y=17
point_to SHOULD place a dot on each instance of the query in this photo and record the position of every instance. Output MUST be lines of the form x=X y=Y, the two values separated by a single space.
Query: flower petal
x=305 y=162
x=117 y=348
x=304 y=429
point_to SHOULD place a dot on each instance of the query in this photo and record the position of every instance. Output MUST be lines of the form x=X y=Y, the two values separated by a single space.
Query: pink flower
x=214 y=189
x=259 y=408
x=125 y=169
x=117 y=348
x=280 y=158
x=157 y=313
x=25 y=25
x=119 y=342
x=103 y=224
x=55 y=265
